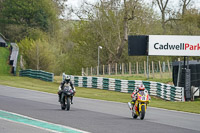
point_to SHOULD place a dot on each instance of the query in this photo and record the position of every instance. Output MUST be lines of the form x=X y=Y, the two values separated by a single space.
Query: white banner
x=169 y=45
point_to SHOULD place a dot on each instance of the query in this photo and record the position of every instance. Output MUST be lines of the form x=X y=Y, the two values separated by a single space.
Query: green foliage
x=37 y=54
x=189 y=24
x=31 y=13
x=23 y=15
x=106 y=29
x=67 y=45
x=36 y=34
x=4 y=56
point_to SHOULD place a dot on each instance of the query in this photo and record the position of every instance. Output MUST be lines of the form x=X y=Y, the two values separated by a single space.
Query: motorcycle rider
x=66 y=82
x=134 y=94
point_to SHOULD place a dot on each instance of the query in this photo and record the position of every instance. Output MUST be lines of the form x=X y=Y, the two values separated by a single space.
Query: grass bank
x=34 y=84
x=164 y=79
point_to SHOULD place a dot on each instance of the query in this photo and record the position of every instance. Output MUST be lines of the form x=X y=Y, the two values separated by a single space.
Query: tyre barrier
x=37 y=74
x=164 y=91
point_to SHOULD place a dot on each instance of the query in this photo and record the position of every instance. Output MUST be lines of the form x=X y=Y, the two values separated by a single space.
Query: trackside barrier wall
x=37 y=74
x=3 y=43
x=14 y=56
x=164 y=91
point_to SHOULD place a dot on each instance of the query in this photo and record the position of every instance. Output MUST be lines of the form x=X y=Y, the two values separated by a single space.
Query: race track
x=89 y=115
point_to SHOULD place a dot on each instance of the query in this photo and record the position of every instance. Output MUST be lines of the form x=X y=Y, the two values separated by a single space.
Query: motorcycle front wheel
x=142 y=113
x=68 y=103
x=63 y=105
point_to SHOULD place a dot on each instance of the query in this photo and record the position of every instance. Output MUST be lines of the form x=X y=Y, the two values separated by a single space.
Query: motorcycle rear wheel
x=134 y=116
x=63 y=106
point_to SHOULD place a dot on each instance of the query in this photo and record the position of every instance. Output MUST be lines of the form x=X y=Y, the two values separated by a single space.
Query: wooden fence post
x=160 y=69
x=122 y=68
x=130 y=68
x=97 y=73
x=168 y=65
x=109 y=69
x=169 y=69
x=145 y=68
x=91 y=71
x=152 y=69
x=149 y=72
x=137 y=67
x=115 y=68
x=82 y=72
x=103 y=70
x=87 y=71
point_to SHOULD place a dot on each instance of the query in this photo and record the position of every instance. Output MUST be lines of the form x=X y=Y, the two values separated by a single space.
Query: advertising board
x=169 y=45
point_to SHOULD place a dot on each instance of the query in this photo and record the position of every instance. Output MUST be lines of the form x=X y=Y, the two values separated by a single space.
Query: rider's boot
x=71 y=99
x=59 y=97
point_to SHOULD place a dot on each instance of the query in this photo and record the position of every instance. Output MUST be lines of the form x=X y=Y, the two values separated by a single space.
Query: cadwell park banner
x=166 y=45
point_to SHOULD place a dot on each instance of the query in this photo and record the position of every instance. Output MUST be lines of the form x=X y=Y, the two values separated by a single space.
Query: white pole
x=148 y=67
x=98 y=63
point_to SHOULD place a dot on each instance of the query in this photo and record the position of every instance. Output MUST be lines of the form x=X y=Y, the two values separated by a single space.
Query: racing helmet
x=137 y=88
x=67 y=78
x=142 y=87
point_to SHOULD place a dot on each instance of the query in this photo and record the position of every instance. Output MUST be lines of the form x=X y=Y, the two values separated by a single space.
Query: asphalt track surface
x=12 y=127
x=96 y=116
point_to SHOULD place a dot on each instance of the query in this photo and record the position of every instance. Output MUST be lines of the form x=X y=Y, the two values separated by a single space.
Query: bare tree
x=61 y=5
x=163 y=6
x=129 y=8
x=184 y=4
x=129 y=14
x=109 y=21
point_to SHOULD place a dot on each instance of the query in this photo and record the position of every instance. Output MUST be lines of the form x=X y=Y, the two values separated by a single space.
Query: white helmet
x=67 y=78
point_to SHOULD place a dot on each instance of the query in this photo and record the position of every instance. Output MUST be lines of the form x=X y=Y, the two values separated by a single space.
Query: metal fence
x=131 y=69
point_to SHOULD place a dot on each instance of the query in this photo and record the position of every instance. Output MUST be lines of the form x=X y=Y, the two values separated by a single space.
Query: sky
x=76 y=4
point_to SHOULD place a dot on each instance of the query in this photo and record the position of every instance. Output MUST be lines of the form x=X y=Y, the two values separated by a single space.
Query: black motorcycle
x=66 y=95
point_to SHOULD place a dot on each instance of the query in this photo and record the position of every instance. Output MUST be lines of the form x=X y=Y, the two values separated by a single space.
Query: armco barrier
x=164 y=91
x=37 y=74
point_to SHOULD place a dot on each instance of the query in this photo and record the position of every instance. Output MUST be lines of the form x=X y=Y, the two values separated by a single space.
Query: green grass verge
x=128 y=77
x=165 y=78
x=29 y=83
x=4 y=67
x=34 y=84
